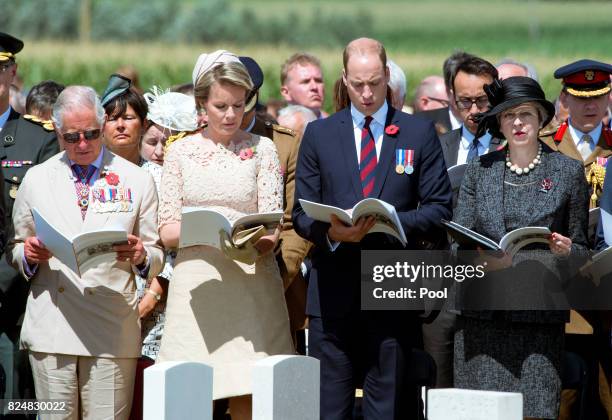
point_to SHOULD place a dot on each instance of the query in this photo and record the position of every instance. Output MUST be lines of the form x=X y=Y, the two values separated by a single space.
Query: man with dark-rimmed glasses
x=468 y=95
x=23 y=144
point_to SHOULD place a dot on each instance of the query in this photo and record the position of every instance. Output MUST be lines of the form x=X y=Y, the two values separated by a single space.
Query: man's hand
x=35 y=251
x=339 y=232
x=146 y=305
x=133 y=251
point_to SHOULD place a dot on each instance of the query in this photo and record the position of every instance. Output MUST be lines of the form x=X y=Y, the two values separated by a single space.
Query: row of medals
x=401 y=169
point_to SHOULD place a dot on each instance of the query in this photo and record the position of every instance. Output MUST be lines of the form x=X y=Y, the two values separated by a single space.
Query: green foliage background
x=162 y=38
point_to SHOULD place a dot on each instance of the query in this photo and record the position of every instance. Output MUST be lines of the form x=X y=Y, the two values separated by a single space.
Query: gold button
x=61 y=290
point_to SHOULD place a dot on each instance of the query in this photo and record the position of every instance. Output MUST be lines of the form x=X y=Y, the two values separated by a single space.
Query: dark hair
x=450 y=65
x=42 y=97
x=119 y=104
x=473 y=65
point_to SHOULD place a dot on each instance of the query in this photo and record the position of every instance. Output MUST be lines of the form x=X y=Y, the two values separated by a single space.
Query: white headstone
x=178 y=390
x=463 y=404
x=286 y=387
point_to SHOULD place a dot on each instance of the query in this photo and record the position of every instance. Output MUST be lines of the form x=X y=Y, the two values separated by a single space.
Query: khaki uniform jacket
x=292 y=247
x=568 y=147
x=95 y=315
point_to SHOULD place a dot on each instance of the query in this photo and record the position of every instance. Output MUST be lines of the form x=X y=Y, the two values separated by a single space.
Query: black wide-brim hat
x=506 y=94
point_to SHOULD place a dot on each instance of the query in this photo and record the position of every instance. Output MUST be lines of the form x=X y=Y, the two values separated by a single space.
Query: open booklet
x=201 y=226
x=83 y=251
x=510 y=243
x=387 y=220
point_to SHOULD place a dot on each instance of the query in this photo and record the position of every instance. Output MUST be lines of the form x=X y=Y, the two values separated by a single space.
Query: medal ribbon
x=82 y=186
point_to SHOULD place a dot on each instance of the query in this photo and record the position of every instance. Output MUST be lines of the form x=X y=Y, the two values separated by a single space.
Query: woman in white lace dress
x=221 y=311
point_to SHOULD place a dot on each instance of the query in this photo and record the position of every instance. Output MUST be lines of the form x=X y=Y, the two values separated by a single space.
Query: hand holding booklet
x=201 y=226
x=510 y=243
x=83 y=251
x=387 y=220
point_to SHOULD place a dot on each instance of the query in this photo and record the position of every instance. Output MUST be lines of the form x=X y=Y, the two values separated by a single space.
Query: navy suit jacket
x=328 y=172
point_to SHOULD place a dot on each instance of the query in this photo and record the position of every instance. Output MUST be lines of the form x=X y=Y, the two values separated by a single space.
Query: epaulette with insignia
x=284 y=130
x=46 y=124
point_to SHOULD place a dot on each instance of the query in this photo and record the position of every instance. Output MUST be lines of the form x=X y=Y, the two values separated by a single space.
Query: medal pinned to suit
x=404 y=161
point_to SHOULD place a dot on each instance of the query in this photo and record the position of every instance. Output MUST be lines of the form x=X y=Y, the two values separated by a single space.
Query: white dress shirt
x=466 y=142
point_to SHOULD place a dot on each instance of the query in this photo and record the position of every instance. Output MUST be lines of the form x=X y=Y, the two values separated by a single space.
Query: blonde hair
x=231 y=73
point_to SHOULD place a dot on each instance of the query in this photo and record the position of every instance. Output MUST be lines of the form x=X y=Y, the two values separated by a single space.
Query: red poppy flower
x=112 y=178
x=546 y=185
x=392 y=129
x=246 y=153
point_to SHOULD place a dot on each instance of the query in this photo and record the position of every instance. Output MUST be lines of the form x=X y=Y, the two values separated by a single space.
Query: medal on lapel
x=399 y=161
x=404 y=161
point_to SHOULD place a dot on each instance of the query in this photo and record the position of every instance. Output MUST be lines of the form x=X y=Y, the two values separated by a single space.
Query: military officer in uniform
x=583 y=136
x=292 y=248
x=23 y=143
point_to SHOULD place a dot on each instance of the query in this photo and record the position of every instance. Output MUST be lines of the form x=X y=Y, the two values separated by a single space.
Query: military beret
x=9 y=46
x=257 y=77
x=585 y=78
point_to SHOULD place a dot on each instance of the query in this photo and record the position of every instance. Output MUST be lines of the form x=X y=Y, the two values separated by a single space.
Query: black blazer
x=328 y=172
x=563 y=209
x=450 y=146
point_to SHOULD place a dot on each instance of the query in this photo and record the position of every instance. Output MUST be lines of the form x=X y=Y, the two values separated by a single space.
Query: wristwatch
x=156 y=295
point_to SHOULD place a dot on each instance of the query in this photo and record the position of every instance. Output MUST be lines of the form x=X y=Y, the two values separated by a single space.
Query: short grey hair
x=397 y=78
x=291 y=110
x=530 y=69
x=77 y=97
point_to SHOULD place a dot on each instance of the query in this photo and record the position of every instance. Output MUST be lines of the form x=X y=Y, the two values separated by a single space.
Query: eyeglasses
x=481 y=102
x=76 y=136
x=440 y=100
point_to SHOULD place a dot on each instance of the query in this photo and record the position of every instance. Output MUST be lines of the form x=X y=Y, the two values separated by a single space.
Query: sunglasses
x=76 y=136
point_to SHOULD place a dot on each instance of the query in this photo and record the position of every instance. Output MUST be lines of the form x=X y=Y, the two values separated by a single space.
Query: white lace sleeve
x=171 y=189
x=269 y=177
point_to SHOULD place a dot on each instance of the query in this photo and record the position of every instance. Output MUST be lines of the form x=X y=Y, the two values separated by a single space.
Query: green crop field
x=418 y=36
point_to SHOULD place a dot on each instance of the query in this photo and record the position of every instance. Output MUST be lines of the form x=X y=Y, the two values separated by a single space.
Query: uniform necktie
x=585 y=146
x=473 y=150
x=82 y=186
x=367 y=158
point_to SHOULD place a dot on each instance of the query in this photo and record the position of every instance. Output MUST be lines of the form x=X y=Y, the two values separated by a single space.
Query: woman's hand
x=267 y=243
x=559 y=244
x=493 y=261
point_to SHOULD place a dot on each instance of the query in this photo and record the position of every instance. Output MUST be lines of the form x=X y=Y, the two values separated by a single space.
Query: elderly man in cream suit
x=83 y=333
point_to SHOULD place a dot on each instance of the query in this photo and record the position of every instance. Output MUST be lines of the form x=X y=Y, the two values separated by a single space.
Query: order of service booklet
x=387 y=220
x=510 y=243
x=83 y=251
x=201 y=226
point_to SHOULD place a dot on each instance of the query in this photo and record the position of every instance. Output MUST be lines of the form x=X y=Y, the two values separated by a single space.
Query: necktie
x=82 y=186
x=367 y=158
x=585 y=146
x=473 y=150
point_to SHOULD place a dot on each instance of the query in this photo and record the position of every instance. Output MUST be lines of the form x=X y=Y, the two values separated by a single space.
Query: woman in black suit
x=525 y=184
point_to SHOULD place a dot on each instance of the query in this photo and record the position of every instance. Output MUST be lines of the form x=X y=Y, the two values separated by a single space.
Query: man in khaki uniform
x=292 y=248
x=583 y=136
x=586 y=84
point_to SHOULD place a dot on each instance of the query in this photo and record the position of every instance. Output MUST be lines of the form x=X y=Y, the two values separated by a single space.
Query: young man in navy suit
x=353 y=154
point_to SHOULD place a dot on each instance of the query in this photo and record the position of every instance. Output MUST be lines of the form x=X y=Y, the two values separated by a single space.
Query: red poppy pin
x=546 y=185
x=112 y=178
x=392 y=130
